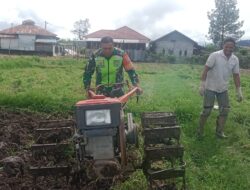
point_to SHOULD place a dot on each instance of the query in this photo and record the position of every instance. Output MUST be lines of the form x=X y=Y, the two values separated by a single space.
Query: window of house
x=56 y=49
x=170 y=51
x=180 y=53
x=88 y=45
x=163 y=51
x=185 y=53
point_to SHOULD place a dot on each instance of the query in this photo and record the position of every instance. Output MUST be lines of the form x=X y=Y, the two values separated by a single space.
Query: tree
x=81 y=28
x=224 y=21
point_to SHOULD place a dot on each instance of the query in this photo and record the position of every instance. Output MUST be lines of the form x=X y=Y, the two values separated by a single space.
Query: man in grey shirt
x=215 y=78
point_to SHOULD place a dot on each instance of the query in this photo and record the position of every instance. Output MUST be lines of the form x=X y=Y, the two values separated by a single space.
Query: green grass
x=53 y=85
x=40 y=84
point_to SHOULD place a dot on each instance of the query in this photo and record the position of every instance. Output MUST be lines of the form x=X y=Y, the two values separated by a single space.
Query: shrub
x=243 y=52
x=197 y=59
x=36 y=59
x=171 y=59
x=244 y=60
x=160 y=58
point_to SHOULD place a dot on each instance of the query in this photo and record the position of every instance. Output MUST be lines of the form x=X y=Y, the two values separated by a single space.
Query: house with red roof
x=29 y=38
x=125 y=38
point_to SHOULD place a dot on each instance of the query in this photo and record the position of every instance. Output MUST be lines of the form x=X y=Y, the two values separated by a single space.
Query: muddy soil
x=17 y=134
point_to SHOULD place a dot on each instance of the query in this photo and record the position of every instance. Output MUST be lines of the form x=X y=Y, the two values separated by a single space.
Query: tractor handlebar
x=125 y=97
x=122 y=99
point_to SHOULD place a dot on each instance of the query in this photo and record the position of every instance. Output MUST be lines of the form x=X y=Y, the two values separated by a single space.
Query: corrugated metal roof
x=124 y=32
x=27 y=27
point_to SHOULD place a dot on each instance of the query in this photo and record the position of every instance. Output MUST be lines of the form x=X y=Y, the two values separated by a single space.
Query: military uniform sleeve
x=129 y=68
x=89 y=71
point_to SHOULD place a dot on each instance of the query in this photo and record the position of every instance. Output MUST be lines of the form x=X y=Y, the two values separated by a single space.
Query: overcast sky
x=153 y=18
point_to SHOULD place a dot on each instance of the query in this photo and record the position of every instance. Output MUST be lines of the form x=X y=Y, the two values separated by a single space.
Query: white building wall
x=26 y=42
x=9 y=43
x=178 y=48
x=175 y=44
x=23 y=42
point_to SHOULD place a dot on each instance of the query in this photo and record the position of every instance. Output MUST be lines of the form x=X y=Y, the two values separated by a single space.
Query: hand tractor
x=101 y=135
x=103 y=131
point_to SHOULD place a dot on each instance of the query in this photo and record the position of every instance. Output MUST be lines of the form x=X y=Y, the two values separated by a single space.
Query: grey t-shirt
x=221 y=68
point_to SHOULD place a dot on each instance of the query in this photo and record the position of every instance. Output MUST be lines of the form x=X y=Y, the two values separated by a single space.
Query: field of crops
x=51 y=86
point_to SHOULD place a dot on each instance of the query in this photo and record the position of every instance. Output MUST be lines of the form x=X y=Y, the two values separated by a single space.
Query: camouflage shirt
x=109 y=70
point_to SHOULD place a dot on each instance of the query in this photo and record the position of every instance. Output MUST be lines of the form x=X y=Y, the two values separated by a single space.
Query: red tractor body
x=101 y=128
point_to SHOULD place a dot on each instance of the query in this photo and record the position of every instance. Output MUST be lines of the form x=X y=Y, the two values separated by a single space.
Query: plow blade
x=52 y=141
x=46 y=130
x=159 y=135
x=158 y=118
x=54 y=171
x=52 y=135
x=166 y=174
x=51 y=146
x=159 y=130
x=57 y=123
x=168 y=153
x=50 y=171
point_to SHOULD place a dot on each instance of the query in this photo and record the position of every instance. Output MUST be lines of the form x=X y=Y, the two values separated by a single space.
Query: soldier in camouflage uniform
x=109 y=62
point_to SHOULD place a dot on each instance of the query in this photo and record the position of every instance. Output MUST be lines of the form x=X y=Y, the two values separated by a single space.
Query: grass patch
x=54 y=85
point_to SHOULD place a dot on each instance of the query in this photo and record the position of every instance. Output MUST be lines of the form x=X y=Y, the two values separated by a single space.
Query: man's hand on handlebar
x=139 y=91
x=87 y=92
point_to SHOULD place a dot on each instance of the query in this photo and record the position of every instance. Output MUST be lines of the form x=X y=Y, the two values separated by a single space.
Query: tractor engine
x=98 y=122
